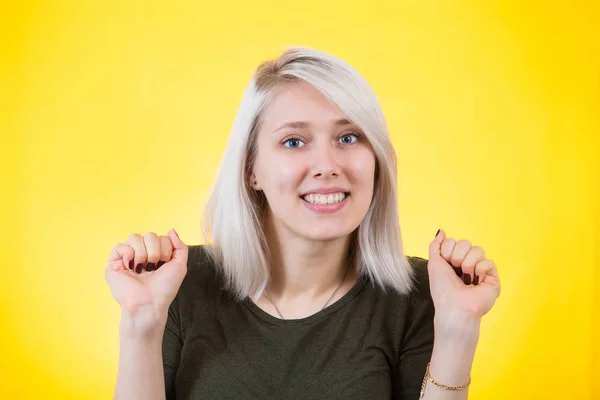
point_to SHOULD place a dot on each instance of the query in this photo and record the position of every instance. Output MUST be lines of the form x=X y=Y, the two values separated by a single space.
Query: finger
x=488 y=269
x=166 y=249
x=491 y=276
x=469 y=264
x=492 y=283
x=434 y=247
x=180 y=250
x=178 y=261
x=460 y=251
x=121 y=257
x=447 y=248
x=446 y=251
x=152 y=249
x=136 y=241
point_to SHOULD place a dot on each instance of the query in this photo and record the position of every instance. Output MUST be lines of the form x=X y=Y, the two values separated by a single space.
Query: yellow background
x=114 y=116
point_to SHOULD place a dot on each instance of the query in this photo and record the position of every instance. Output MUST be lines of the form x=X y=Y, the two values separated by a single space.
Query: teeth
x=324 y=199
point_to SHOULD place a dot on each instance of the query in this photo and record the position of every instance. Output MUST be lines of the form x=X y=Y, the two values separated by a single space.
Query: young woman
x=303 y=291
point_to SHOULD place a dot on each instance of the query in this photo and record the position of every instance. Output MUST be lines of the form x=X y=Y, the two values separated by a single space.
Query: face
x=316 y=169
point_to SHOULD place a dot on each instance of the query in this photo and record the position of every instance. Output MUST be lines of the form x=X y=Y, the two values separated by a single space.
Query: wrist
x=451 y=363
x=143 y=323
x=456 y=337
x=456 y=326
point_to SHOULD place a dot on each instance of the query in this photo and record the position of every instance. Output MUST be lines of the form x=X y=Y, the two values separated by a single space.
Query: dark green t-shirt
x=367 y=345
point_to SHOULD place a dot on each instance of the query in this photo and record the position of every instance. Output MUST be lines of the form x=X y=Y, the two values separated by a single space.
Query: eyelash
x=292 y=137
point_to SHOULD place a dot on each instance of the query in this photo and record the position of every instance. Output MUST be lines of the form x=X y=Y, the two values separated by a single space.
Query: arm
x=140 y=374
x=452 y=357
x=150 y=350
x=446 y=338
x=150 y=334
x=460 y=303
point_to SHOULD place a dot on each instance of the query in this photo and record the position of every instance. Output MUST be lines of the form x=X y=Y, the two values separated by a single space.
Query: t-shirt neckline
x=259 y=312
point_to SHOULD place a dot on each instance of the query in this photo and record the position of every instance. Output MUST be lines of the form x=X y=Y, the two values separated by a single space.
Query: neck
x=303 y=268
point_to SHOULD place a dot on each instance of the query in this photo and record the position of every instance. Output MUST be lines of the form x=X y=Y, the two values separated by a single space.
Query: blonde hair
x=233 y=216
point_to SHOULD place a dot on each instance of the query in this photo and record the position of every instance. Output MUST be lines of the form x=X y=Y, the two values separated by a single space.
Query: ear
x=254 y=182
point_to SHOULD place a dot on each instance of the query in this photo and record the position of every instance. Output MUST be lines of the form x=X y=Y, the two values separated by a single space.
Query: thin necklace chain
x=328 y=300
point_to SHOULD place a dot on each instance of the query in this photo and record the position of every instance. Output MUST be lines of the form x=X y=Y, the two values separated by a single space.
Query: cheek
x=286 y=176
x=280 y=175
x=362 y=169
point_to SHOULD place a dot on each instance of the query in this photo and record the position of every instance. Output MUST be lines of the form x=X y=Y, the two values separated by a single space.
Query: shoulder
x=202 y=279
x=400 y=306
x=200 y=262
x=420 y=277
x=421 y=308
x=198 y=295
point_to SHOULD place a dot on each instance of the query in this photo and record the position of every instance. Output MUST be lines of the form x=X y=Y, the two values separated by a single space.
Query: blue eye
x=293 y=143
x=349 y=138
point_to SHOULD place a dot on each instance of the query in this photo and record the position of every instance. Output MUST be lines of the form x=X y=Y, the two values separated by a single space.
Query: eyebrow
x=306 y=124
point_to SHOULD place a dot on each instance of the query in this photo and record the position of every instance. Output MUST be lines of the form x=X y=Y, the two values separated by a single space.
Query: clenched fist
x=463 y=281
x=144 y=275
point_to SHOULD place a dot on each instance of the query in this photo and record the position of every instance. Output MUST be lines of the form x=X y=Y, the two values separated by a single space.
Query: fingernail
x=458 y=271
x=160 y=264
x=476 y=280
x=438 y=232
x=467 y=279
x=138 y=268
x=131 y=264
x=175 y=232
x=150 y=267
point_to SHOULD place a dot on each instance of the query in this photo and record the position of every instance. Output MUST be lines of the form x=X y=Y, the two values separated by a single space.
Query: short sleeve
x=171 y=349
x=417 y=341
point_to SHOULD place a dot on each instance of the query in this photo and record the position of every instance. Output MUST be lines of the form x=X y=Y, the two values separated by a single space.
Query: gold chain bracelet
x=428 y=377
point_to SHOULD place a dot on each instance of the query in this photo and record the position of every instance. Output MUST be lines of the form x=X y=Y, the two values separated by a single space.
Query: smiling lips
x=324 y=199
x=325 y=203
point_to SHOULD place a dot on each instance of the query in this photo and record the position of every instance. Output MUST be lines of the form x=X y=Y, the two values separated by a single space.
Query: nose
x=325 y=162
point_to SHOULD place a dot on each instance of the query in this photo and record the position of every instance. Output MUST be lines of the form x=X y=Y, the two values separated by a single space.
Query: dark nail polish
x=476 y=280
x=160 y=264
x=438 y=232
x=150 y=267
x=467 y=279
x=131 y=264
x=458 y=271
x=138 y=268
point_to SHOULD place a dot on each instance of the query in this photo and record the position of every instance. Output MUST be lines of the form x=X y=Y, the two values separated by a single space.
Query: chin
x=326 y=233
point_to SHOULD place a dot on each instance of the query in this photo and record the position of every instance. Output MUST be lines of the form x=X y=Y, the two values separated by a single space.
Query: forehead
x=300 y=101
